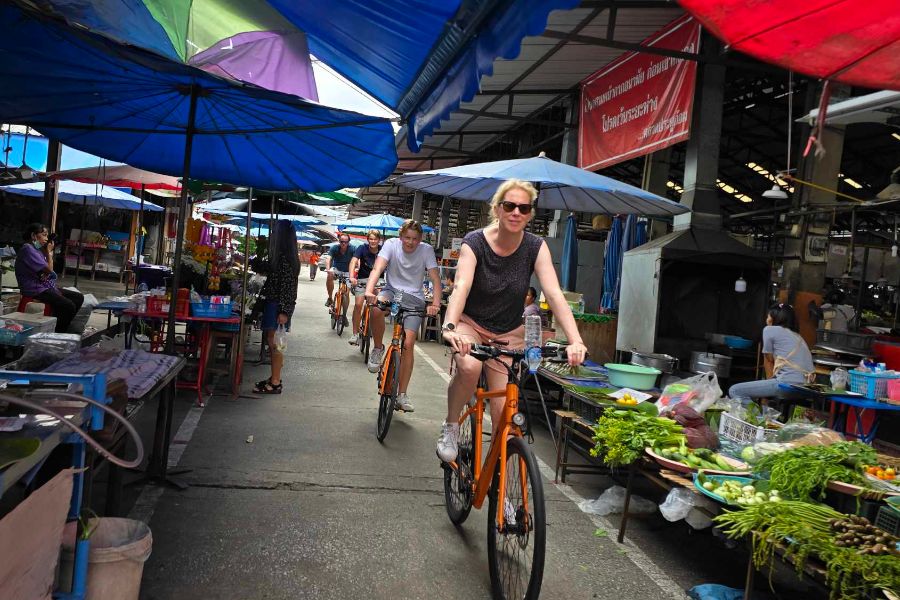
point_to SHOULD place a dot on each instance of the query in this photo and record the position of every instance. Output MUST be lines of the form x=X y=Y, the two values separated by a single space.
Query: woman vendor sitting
x=37 y=279
x=786 y=358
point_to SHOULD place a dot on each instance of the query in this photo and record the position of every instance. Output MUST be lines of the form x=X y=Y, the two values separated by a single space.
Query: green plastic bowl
x=632 y=376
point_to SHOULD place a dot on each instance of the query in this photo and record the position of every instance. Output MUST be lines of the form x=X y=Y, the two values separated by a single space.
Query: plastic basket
x=871 y=385
x=160 y=306
x=207 y=309
x=888 y=520
x=8 y=337
x=742 y=432
x=586 y=409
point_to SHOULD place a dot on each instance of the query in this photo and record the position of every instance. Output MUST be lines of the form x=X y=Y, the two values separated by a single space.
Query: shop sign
x=640 y=103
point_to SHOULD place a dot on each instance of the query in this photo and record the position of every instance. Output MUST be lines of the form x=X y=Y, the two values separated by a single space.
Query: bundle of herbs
x=621 y=436
x=802 y=530
x=803 y=473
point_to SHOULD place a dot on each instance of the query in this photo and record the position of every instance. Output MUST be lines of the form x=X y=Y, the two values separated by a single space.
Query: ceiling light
x=896 y=136
x=776 y=193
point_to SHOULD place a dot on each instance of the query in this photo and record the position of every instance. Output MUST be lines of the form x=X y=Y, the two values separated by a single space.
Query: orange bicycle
x=365 y=330
x=509 y=478
x=389 y=374
x=339 y=308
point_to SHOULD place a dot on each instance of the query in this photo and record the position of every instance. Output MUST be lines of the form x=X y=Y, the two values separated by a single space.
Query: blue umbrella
x=382 y=222
x=88 y=194
x=569 y=270
x=562 y=187
x=612 y=264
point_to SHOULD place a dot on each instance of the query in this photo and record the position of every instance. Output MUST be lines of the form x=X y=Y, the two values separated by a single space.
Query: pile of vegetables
x=743 y=495
x=697 y=458
x=803 y=529
x=620 y=436
x=601 y=396
x=803 y=473
x=858 y=533
x=566 y=370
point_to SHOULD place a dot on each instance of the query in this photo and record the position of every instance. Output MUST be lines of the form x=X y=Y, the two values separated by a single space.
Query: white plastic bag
x=280 y=339
x=700 y=392
x=677 y=504
x=612 y=501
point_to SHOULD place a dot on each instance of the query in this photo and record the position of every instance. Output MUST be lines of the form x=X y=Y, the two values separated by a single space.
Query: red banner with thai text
x=641 y=102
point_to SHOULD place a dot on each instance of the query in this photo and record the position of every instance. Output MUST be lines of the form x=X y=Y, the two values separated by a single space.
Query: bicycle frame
x=342 y=291
x=498 y=450
x=396 y=345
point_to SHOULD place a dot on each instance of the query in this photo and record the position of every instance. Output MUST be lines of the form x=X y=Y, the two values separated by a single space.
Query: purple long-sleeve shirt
x=29 y=263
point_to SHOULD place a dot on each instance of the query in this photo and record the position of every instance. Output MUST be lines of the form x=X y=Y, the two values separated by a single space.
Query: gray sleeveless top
x=497 y=297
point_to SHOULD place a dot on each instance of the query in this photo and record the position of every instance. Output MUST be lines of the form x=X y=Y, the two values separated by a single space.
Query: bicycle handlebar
x=485 y=352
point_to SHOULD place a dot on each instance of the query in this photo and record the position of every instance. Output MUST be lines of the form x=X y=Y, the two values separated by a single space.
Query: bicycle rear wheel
x=364 y=343
x=386 y=402
x=333 y=317
x=516 y=551
x=458 y=482
x=341 y=319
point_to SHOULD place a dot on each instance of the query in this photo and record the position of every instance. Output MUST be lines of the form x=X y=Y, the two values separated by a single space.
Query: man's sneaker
x=447 y=447
x=403 y=403
x=328 y=302
x=354 y=339
x=375 y=359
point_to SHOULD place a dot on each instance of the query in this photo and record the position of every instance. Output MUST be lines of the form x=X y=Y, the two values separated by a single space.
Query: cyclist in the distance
x=492 y=276
x=405 y=261
x=337 y=261
x=360 y=267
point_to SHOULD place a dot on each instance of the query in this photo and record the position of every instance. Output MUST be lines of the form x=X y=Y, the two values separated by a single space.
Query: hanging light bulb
x=894 y=250
x=740 y=285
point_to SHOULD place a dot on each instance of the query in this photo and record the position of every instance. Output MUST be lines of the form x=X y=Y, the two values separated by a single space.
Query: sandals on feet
x=267 y=387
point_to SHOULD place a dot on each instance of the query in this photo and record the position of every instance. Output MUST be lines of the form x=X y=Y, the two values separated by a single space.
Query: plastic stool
x=26 y=300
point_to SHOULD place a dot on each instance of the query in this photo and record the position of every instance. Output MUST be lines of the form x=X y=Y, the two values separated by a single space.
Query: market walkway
x=315 y=507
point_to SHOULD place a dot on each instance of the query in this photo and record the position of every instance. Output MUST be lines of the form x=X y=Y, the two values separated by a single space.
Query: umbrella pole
x=182 y=216
x=80 y=240
x=140 y=231
x=239 y=345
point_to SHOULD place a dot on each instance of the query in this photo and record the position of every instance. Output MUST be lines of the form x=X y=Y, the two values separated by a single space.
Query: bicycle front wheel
x=341 y=319
x=458 y=483
x=386 y=402
x=516 y=549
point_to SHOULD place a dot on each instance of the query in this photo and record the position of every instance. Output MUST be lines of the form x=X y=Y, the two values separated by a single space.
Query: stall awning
x=84 y=193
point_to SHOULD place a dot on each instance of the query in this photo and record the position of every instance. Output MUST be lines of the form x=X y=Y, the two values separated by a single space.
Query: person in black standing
x=280 y=292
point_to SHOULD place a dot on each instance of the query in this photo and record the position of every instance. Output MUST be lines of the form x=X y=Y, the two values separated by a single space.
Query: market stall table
x=203 y=341
x=147 y=376
x=840 y=409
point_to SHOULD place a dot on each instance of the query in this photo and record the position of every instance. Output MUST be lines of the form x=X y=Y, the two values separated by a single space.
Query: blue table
x=840 y=404
x=112 y=306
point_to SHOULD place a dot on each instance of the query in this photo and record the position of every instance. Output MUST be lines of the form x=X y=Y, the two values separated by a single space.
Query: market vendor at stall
x=786 y=357
x=37 y=279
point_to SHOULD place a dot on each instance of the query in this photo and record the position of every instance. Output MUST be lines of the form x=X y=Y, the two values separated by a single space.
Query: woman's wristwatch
x=448 y=327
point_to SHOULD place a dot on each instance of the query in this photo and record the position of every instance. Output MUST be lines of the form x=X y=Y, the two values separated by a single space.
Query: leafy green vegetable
x=621 y=435
x=803 y=529
x=803 y=473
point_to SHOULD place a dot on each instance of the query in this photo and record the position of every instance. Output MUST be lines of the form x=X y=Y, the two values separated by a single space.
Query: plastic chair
x=26 y=300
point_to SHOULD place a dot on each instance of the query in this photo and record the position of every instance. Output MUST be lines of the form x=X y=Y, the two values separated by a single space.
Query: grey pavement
x=315 y=507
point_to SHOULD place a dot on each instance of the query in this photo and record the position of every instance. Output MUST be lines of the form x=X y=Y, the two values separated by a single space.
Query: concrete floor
x=315 y=507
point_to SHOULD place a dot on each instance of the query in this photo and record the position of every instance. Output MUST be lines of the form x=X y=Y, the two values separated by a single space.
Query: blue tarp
x=382 y=222
x=612 y=266
x=569 y=267
x=500 y=37
x=86 y=193
x=131 y=105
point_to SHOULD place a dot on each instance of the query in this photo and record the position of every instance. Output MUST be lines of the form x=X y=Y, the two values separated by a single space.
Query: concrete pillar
x=654 y=180
x=432 y=214
x=462 y=218
x=51 y=187
x=444 y=230
x=804 y=273
x=418 y=208
x=701 y=163
x=569 y=156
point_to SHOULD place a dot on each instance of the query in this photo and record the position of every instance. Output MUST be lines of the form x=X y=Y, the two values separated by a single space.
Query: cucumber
x=679 y=457
x=723 y=464
x=704 y=453
x=693 y=460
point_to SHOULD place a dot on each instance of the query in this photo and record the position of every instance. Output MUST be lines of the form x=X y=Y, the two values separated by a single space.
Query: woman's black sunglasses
x=508 y=206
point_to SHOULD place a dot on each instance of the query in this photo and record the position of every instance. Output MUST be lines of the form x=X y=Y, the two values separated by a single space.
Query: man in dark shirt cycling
x=337 y=259
x=360 y=267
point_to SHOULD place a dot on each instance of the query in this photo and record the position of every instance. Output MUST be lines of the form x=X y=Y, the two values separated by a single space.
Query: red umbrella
x=856 y=42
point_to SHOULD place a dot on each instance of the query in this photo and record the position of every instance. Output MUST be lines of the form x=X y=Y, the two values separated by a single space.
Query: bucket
x=118 y=550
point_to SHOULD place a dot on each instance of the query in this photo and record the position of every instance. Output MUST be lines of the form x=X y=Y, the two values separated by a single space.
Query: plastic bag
x=712 y=591
x=612 y=501
x=839 y=378
x=700 y=392
x=280 y=339
x=677 y=504
x=807 y=434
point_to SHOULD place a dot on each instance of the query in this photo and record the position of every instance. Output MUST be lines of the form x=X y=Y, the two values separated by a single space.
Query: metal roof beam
x=506 y=117
x=630 y=47
x=528 y=92
x=625 y=4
